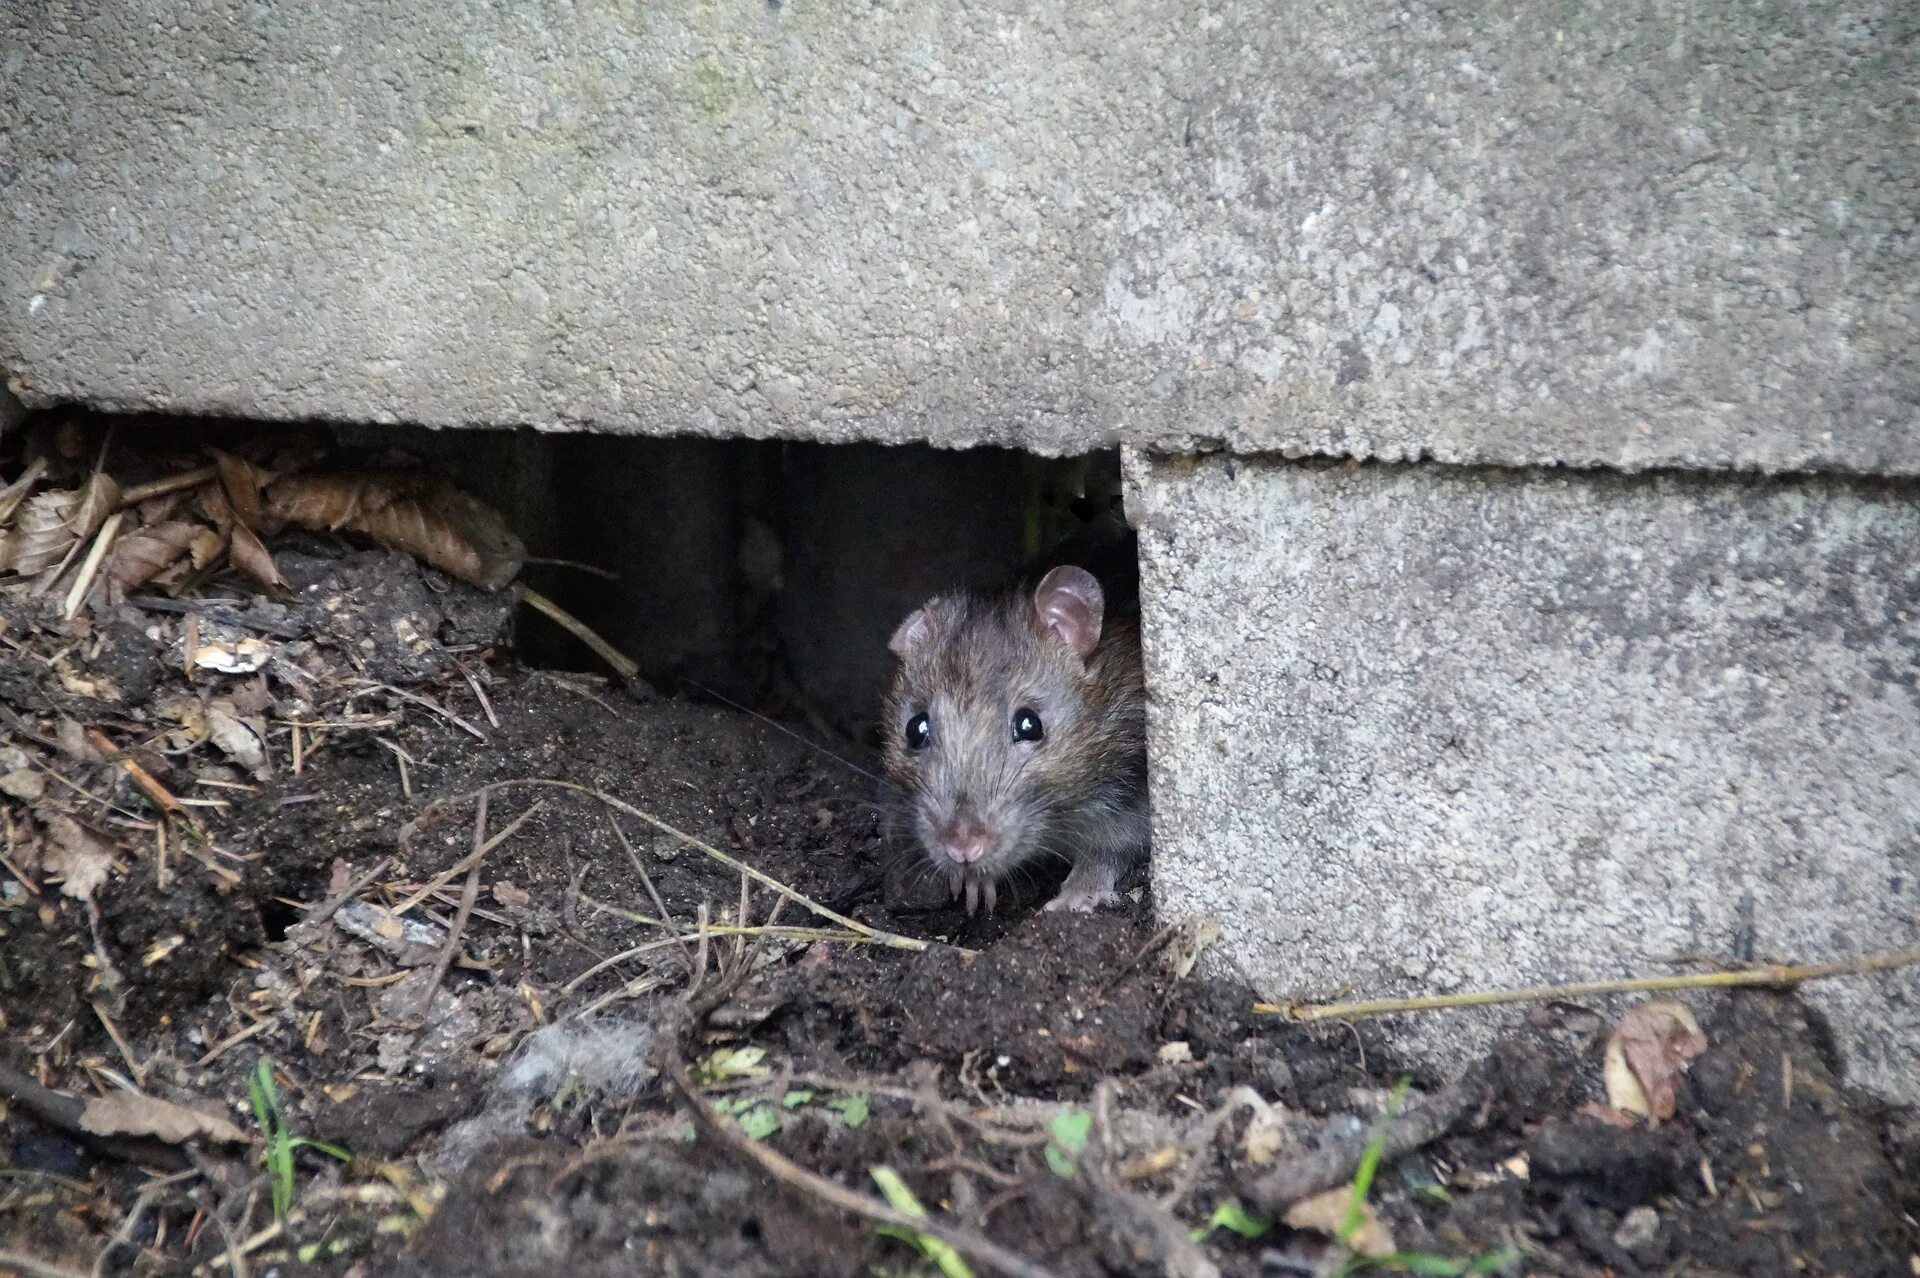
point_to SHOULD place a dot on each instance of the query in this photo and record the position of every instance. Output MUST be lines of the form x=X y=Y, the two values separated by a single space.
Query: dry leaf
x=40 y=537
x=205 y=547
x=1183 y=951
x=144 y=553
x=132 y=1114
x=1646 y=1055
x=251 y=556
x=76 y=854
x=241 y=483
x=242 y=656
x=425 y=516
x=1325 y=1213
x=49 y=524
x=24 y=784
x=214 y=505
x=244 y=740
x=158 y=510
x=514 y=898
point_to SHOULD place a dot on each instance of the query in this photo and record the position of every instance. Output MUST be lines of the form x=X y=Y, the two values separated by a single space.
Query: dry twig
x=623 y=665
x=468 y=896
x=1773 y=974
x=766 y=880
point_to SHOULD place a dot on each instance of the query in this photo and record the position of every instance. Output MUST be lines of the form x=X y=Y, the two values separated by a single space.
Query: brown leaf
x=132 y=1114
x=158 y=510
x=1325 y=1213
x=49 y=524
x=144 y=553
x=214 y=505
x=99 y=497
x=205 y=547
x=1646 y=1055
x=242 y=738
x=81 y=857
x=24 y=784
x=241 y=483
x=423 y=515
x=251 y=556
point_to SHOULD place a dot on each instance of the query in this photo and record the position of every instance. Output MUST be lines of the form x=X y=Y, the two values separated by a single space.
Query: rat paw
x=1084 y=900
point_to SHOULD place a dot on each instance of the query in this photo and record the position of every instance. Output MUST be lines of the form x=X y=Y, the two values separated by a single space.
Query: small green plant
x=758 y=1119
x=1069 y=1130
x=1231 y=1215
x=1406 y=1262
x=902 y=1199
x=281 y=1143
x=853 y=1110
x=730 y=1063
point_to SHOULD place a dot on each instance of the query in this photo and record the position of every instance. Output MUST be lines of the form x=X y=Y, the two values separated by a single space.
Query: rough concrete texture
x=1634 y=235
x=1440 y=729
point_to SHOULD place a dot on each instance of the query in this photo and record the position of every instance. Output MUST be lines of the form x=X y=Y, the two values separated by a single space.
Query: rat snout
x=964 y=839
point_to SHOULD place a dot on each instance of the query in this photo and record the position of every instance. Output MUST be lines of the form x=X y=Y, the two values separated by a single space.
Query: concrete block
x=1425 y=729
x=1657 y=234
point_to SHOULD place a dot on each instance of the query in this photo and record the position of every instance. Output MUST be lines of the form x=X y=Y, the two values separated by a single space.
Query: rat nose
x=965 y=840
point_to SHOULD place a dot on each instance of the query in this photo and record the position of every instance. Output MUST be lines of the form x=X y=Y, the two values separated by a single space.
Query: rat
x=1015 y=735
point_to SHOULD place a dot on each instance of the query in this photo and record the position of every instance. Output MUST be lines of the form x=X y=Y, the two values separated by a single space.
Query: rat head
x=982 y=724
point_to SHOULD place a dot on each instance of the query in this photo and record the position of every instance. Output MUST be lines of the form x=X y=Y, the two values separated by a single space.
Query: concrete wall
x=1424 y=729
x=1634 y=234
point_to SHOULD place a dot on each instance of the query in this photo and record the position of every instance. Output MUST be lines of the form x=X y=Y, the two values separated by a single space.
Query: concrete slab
x=1645 y=235
x=1425 y=729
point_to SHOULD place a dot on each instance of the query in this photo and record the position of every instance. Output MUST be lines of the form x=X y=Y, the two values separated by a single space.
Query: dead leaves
x=134 y=1114
x=172 y=530
x=75 y=854
x=1326 y=1213
x=424 y=516
x=49 y=527
x=145 y=553
x=1646 y=1055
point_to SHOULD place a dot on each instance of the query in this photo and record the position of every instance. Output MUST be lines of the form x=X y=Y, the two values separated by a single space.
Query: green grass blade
x=950 y=1262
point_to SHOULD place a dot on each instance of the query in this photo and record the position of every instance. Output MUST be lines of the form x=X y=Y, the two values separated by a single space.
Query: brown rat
x=1015 y=735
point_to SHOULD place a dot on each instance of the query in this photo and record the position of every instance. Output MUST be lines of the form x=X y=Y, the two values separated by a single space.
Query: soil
x=493 y=1135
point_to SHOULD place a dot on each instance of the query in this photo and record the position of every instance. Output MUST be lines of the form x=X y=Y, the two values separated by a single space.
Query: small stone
x=1637 y=1228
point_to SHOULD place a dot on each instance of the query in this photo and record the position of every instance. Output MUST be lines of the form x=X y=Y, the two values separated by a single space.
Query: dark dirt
x=960 y=1059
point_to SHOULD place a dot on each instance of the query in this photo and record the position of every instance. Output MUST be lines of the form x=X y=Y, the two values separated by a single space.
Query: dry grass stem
x=1774 y=974
x=623 y=665
x=873 y=934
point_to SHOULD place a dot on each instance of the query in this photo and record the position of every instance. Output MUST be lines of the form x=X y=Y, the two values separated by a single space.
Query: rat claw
x=973 y=895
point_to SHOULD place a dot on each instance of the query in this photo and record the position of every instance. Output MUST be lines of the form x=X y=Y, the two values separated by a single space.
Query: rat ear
x=910 y=634
x=1069 y=602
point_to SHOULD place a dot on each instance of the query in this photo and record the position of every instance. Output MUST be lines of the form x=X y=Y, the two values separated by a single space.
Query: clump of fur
x=970 y=663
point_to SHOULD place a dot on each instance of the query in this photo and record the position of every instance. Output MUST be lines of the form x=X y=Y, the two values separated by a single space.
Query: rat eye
x=1026 y=725
x=919 y=732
